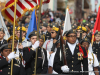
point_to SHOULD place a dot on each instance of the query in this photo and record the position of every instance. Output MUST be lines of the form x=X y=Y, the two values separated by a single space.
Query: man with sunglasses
x=84 y=32
x=48 y=46
x=75 y=55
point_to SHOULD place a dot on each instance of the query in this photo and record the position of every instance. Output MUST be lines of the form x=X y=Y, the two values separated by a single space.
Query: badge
x=80 y=55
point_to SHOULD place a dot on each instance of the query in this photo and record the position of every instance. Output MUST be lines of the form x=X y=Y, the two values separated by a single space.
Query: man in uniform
x=96 y=46
x=29 y=54
x=25 y=43
x=5 y=61
x=48 y=33
x=75 y=55
x=92 y=59
x=2 y=40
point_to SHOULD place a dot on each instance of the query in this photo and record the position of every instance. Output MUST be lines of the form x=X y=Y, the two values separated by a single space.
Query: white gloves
x=12 y=55
x=36 y=45
x=65 y=68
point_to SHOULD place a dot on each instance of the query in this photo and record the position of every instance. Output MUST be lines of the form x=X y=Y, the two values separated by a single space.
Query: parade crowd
x=78 y=57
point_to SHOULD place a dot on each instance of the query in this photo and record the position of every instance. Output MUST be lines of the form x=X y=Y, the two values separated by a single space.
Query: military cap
x=1 y=29
x=97 y=32
x=33 y=33
x=40 y=27
x=42 y=37
x=5 y=46
x=11 y=37
x=55 y=29
x=44 y=24
x=74 y=27
x=23 y=29
x=83 y=28
x=85 y=40
x=70 y=31
x=49 y=24
x=91 y=26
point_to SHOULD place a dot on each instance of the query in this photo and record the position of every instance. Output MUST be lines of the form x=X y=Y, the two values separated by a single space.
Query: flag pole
x=13 y=36
x=38 y=34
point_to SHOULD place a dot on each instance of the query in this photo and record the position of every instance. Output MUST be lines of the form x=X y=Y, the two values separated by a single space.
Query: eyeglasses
x=72 y=36
x=52 y=32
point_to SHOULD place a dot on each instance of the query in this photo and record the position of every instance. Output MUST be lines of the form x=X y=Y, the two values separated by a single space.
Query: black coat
x=96 y=50
x=29 y=57
x=73 y=62
x=4 y=42
x=48 y=35
x=5 y=67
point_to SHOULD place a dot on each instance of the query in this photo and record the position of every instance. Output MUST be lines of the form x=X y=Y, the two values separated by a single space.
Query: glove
x=36 y=45
x=65 y=68
x=17 y=55
x=11 y=55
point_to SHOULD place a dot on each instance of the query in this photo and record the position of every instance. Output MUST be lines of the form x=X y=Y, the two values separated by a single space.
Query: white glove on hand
x=17 y=55
x=65 y=68
x=11 y=55
x=36 y=44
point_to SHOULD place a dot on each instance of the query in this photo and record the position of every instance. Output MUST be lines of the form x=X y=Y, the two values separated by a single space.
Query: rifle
x=62 y=47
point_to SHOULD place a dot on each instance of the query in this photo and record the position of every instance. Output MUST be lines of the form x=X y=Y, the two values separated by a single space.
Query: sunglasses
x=52 y=32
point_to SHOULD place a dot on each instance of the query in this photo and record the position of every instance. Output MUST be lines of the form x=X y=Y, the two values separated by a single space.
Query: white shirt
x=92 y=62
x=72 y=47
x=48 y=45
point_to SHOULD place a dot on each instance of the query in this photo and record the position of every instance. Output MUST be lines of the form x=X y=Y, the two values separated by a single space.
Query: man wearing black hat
x=2 y=40
x=5 y=61
x=92 y=59
x=75 y=55
x=48 y=34
x=29 y=54
x=96 y=46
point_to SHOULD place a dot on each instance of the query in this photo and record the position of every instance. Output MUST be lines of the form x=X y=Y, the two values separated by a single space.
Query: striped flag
x=21 y=7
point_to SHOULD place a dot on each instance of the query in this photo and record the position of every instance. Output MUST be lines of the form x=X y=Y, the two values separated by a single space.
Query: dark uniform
x=96 y=49
x=29 y=57
x=73 y=60
x=3 y=42
x=5 y=66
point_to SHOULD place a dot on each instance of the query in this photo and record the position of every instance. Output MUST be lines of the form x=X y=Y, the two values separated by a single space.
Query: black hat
x=44 y=24
x=42 y=37
x=1 y=29
x=6 y=46
x=74 y=27
x=85 y=40
x=49 y=24
x=34 y=33
x=91 y=26
x=71 y=31
x=97 y=32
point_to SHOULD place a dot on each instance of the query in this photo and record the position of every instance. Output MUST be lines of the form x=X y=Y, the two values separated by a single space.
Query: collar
x=1 y=41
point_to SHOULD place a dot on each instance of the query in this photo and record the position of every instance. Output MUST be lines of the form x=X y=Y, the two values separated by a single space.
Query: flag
x=21 y=7
x=46 y=1
x=67 y=24
x=2 y=25
x=32 y=24
x=97 y=24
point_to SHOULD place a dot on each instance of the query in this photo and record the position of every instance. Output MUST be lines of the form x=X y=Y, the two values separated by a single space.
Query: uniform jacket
x=3 y=42
x=5 y=67
x=29 y=57
x=73 y=61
